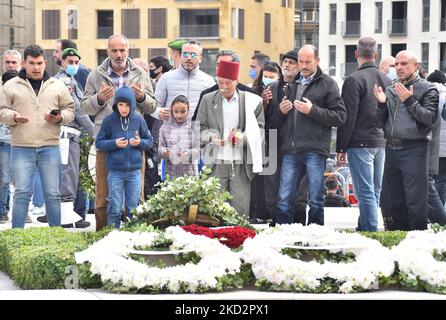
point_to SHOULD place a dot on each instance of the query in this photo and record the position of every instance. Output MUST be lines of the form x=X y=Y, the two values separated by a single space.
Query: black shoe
x=43 y=219
x=3 y=218
x=79 y=225
x=90 y=211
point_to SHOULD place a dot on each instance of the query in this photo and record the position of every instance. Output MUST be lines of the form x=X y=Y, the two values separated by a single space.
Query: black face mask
x=153 y=75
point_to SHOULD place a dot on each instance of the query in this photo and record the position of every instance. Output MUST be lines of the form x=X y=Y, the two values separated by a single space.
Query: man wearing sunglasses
x=187 y=80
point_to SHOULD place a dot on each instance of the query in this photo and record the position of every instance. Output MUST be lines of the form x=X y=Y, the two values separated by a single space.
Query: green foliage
x=85 y=178
x=175 y=196
x=319 y=256
x=37 y=258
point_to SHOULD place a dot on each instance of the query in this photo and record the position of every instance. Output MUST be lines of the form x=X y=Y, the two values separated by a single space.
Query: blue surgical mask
x=392 y=74
x=252 y=73
x=171 y=62
x=71 y=69
x=267 y=81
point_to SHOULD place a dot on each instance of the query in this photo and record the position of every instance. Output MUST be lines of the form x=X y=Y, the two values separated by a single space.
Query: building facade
x=16 y=25
x=343 y=22
x=306 y=23
x=247 y=26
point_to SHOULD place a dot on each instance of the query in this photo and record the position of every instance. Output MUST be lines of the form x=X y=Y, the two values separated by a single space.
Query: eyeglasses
x=192 y=55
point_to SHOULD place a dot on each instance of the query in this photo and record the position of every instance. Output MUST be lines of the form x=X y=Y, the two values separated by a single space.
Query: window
x=102 y=55
x=332 y=60
x=378 y=59
x=130 y=26
x=209 y=61
x=397 y=47
x=105 y=24
x=425 y=55
x=378 y=17
x=202 y=23
x=72 y=24
x=238 y=23
x=158 y=23
x=332 y=18
x=11 y=11
x=351 y=65
x=352 y=24
x=267 y=35
x=286 y=3
x=11 y=38
x=443 y=16
x=51 y=24
x=426 y=15
x=443 y=57
x=157 y=52
x=51 y=66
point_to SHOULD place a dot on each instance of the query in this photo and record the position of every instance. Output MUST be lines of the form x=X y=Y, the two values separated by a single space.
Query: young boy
x=123 y=136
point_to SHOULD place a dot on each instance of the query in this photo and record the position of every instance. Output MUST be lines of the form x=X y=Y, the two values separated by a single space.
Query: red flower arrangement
x=232 y=237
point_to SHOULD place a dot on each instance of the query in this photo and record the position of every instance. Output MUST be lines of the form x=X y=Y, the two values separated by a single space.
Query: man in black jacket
x=407 y=111
x=311 y=108
x=272 y=97
x=359 y=138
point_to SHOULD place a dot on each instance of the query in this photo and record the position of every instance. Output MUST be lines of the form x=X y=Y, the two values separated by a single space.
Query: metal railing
x=199 y=31
x=397 y=27
x=351 y=28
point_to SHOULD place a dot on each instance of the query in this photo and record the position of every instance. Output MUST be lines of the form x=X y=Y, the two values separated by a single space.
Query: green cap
x=176 y=44
x=70 y=52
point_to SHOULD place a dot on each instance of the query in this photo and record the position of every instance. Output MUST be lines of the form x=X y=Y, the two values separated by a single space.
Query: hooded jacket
x=115 y=126
x=179 y=137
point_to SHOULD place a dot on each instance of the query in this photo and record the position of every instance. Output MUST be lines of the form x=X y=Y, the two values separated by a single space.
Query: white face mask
x=392 y=74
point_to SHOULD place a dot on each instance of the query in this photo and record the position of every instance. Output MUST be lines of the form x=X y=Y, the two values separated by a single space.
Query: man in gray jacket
x=116 y=71
x=407 y=111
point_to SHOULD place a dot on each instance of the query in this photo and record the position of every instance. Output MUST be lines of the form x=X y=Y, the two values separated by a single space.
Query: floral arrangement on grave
x=189 y=200
x=232 y=237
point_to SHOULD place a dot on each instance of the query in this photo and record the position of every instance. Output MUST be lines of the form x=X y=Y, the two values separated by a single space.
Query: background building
x=306 y=20
x=16 y=25
x=247 y=26
x=343 y=22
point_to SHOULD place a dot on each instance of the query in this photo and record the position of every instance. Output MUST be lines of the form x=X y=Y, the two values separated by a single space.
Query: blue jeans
x=292 y=171
x=5 y=175
x=122 y=184
x=24 y=163
x=38 y=199
x=366 y=168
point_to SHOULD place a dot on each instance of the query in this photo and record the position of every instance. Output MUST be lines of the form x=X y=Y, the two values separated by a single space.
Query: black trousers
x=405 y=182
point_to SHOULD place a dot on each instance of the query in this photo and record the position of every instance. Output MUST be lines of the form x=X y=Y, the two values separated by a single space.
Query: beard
x=59 y=62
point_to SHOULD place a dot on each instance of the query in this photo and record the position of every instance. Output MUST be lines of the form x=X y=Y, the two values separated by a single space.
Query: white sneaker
x=31 y=207
x=37 y=211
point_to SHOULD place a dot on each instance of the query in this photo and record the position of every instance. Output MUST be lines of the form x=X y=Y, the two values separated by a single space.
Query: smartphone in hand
x=55 y=112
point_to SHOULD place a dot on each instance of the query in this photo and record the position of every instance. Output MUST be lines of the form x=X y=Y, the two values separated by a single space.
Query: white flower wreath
x=282 y=273
x=415 y=258
x=109 y=258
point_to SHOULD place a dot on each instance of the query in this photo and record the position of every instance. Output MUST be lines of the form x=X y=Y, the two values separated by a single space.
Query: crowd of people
x=267 y=142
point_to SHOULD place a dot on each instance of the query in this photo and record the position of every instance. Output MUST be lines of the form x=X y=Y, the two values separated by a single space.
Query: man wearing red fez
x=231 y=126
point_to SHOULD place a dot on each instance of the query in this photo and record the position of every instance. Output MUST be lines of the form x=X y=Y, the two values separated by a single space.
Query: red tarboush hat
x=228 y=70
